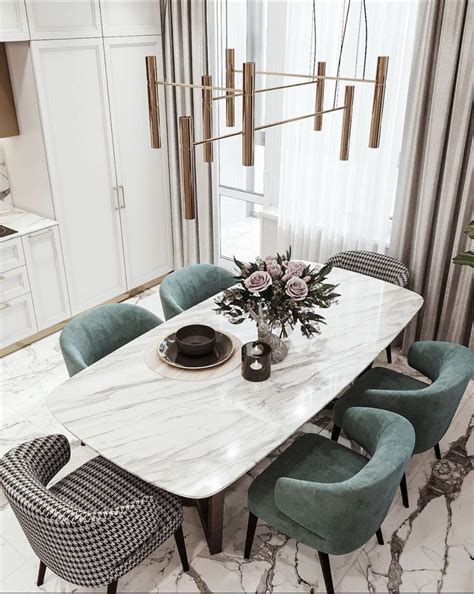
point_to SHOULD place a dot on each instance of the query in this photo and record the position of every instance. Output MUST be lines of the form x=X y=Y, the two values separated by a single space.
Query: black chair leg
x=404 y=490
x=252 y=525
x=437 y=451
x=41 y=572
x=82 y=443
x=388 y=350
x=324 y=560
x=112 y=588
x=179 y=538
x=380 y=536
x=335 y=433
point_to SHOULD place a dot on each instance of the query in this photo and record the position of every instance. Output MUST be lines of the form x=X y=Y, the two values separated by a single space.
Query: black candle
x=256 y=361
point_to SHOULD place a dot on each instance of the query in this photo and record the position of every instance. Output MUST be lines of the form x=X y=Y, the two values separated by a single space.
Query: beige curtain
x=186 y=59
x=435 y=194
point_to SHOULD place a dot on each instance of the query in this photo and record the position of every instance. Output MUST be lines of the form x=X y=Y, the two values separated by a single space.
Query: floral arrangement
x=279 y=291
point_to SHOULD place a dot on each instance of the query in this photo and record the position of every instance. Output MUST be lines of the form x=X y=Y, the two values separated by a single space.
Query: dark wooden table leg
x=211 y=511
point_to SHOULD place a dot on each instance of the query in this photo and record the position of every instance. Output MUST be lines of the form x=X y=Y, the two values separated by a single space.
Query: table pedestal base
x=211 y=512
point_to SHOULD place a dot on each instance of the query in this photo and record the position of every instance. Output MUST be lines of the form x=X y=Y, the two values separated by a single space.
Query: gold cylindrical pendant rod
x=346 y=123
x=230 y=84
x=153 y=106
x=248 y=115
x=207 y=118
x=313 y=76
x=318 y=119
x=188 y=187
x=377 y=105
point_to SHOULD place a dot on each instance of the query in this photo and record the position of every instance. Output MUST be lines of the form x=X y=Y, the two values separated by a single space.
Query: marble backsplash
x=5 y=192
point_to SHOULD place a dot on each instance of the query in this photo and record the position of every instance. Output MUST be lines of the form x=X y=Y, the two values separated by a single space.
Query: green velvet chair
x=96 y=333
x=429 y=407
x=326 y=495
x=189 y=286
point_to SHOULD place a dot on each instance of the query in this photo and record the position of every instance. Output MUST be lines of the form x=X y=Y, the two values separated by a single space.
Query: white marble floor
x=429 y=547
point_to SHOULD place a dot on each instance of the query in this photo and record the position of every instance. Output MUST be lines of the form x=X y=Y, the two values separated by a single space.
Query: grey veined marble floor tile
x=428 y=547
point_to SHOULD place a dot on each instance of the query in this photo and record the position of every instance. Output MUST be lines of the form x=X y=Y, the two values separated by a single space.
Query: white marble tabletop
x=195 y=439
x=23 y=222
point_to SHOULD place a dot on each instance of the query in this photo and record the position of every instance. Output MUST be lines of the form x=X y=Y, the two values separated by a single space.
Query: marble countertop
x=196 y=438
x=23 y=222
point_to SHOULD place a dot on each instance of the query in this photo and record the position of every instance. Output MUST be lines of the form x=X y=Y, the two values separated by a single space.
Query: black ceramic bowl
x=196 y=340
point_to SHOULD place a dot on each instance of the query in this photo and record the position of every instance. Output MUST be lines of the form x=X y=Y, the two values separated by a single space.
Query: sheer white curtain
x=327 y=205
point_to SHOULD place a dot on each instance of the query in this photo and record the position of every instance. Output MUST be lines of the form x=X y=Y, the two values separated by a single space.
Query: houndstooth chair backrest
x=81 y=546
x=373 y=264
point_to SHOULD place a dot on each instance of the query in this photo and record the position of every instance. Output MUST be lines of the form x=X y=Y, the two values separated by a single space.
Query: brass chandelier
x=248 y=94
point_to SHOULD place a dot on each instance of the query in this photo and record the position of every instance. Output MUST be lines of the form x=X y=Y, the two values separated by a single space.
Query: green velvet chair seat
x=310 y=458
x=191 y=285
x=429 y=407
x=95 y=334
x=328 y=496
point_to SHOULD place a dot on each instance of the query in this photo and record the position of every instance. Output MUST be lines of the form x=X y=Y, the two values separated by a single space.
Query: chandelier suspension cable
x=366 y=36
x=358 y=41
x=313 y=43
x=343 y=38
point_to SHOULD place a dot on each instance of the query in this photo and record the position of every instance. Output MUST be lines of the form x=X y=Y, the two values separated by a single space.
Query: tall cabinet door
x=141 y=171
x=72 y=92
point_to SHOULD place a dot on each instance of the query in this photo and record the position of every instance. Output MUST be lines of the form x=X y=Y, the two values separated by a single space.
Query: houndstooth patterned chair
x=376 y=265
x=92 y=526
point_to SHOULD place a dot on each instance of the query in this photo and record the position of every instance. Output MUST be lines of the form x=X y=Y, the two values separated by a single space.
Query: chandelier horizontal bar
x=264 y=126
x=310 y=115
x=234 y=95
x=301 y=84
x=198 y=142
x=313 y=76
x=168 y=83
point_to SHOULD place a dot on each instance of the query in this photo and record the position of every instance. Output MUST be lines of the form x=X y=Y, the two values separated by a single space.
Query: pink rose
x=296 y=288
x=273 y=268
x=258 y=281
x=294 y=268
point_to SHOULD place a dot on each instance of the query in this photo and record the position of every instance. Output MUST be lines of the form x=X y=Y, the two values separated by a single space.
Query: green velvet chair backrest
x=188 y=286
x=348 y=513
x=96 y=333
x=430 y=410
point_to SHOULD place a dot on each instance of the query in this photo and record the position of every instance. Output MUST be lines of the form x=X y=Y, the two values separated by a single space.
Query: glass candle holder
x=256 y=361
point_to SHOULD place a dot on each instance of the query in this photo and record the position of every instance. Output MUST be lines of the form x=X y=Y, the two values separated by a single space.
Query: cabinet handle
x=47 y=231
x=122 y=194
x=117 y=200
x=4 y=305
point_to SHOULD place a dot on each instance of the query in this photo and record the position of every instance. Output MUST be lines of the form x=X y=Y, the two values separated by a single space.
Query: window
x=292 y=160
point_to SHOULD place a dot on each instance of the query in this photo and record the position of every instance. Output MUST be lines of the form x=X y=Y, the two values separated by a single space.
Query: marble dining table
x=196 y=438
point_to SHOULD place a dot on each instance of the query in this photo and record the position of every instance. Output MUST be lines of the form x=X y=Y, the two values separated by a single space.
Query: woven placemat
x=156 y=364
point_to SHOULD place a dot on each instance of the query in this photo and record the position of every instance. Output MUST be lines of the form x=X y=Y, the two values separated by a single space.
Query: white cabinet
x=13 y=21
x=13 y=283
x=11 y=254
x=141 y=170
x=17 y=320
x=74 y=110
x=46 y=271
x=130 y=17
x=64 y=19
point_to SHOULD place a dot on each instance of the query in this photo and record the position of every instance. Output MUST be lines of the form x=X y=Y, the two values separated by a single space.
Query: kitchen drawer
x=14 y=283
x=11 y=254
x=17 y=320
